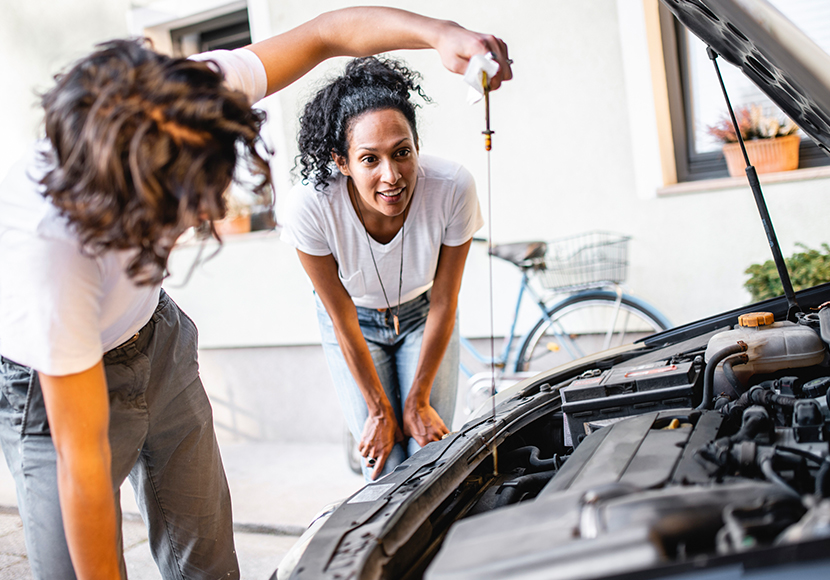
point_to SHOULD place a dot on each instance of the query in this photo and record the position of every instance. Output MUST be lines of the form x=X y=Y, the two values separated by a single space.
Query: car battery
x=591 y=402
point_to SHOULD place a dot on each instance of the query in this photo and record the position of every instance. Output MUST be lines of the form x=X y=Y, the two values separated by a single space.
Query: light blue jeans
x=396 y=359
x=161 y=436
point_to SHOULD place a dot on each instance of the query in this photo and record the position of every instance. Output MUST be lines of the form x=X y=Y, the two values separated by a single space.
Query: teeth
x=391 y=193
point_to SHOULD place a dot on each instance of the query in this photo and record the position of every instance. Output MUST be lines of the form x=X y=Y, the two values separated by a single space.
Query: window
x=246 y=212
x=228 y=31
x=696 y=100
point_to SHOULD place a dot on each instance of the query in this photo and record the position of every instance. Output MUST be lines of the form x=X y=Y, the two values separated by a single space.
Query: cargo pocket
x=15 y=382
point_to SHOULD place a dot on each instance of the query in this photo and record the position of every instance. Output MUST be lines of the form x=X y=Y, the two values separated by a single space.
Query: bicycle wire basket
x=584 y=260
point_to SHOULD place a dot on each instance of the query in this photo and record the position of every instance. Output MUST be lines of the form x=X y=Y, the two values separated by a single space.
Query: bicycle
x=592 y=313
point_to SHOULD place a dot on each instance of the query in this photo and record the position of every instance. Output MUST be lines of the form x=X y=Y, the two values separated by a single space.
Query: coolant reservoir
x=772 y=346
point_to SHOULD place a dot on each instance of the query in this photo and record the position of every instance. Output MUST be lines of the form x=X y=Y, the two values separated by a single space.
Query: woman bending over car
x=383 y=233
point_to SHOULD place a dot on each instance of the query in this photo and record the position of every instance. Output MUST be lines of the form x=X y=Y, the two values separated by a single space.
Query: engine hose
x=709 y=375
x=764 y=396
x=533 y=459
x=757 y=395
x=801 y=453
x=752 y=427
x=769 y=473
x=729 y=373
x=514 y=490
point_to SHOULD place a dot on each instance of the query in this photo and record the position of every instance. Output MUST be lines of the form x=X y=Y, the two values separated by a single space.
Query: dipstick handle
x=488 y=139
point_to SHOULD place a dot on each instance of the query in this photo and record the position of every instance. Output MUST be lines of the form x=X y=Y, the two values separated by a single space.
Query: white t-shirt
x=61 y=309
x=444 y=211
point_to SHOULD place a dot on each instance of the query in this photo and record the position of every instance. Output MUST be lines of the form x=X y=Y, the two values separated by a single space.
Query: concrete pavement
x=276 y=489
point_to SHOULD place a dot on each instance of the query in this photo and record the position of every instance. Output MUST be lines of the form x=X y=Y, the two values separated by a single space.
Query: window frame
x=692 y=166
x=228 y=31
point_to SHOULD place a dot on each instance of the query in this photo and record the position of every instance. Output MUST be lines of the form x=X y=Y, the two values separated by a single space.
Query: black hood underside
x=785 y=64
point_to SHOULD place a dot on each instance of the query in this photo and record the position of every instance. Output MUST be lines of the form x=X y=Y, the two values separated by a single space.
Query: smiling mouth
x=393 y=195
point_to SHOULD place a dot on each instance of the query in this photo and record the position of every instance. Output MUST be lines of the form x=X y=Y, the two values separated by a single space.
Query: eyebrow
x=373 y=149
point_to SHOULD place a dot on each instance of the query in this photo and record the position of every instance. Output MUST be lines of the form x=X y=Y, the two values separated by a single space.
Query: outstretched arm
x=78 y=410
x=363 y=31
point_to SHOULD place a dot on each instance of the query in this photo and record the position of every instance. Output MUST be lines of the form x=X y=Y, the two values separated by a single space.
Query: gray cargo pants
x=161 y=435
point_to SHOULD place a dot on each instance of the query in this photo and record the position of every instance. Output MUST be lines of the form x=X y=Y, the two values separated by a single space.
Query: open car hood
x=778 y=57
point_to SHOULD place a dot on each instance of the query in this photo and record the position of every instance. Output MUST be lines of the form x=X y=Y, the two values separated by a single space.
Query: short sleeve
x=50 y=315
x=465 y=212
x=242 y=69
x=303 y=223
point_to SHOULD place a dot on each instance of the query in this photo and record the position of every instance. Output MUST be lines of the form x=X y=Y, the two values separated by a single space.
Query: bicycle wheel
x=586 y=323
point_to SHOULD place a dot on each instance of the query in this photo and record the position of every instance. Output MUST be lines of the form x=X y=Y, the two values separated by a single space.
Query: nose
x=389 y=171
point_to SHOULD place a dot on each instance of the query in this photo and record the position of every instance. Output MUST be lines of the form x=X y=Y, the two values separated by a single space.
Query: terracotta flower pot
x=233 y=225
x=767 y=155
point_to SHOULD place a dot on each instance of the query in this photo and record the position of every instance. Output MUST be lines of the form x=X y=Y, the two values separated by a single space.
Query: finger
x=438 y=424
x=498 y=49
x=436 y=435
x=378 y=469
x=506 y=66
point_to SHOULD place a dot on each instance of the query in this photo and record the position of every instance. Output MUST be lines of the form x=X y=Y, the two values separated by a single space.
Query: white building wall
x=37 y=38
x=561 y=160
x=574 y=149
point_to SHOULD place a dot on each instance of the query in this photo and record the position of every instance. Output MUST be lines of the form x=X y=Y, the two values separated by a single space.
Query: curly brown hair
x=144 y=146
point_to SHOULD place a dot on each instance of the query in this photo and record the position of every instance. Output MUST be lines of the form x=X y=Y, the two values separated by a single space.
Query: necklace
x=395 y=320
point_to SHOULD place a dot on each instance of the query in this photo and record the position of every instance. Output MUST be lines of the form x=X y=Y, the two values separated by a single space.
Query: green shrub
x=806 y=268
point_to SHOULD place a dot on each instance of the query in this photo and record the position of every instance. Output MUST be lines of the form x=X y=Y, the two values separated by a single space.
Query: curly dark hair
x=367 y=84
x=143 y=146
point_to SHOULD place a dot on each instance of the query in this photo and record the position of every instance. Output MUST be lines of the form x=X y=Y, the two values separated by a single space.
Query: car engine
x=708 y=453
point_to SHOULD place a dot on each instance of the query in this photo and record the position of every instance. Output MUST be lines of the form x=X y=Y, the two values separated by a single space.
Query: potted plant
x=807 y=268
x=237 y=218
x=771 y=143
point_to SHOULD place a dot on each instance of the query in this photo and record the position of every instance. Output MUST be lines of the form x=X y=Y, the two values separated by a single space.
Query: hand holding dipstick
x=479 y=72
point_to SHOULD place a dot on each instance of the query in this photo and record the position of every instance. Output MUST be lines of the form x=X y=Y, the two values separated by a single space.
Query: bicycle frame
x=500 y=361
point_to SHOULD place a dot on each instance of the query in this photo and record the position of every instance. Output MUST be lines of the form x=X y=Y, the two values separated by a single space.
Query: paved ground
x=277 y=489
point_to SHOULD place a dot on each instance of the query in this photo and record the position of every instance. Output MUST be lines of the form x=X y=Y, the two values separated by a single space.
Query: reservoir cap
x=753 y=319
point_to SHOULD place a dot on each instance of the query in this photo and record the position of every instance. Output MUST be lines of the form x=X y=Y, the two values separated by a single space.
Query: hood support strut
x=755 y=185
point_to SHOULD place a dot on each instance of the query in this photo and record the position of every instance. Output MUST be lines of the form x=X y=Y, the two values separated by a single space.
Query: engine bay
x=710 y=453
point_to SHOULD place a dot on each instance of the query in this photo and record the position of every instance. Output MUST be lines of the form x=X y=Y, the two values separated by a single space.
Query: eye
x=368 y=159
x=403 y=152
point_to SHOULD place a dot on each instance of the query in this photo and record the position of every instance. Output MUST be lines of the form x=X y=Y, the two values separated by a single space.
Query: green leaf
x=807 y=269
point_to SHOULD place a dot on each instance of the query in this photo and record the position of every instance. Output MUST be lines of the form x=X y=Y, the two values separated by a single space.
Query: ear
x=341 y=163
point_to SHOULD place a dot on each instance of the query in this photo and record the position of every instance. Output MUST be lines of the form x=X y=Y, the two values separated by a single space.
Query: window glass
x=707 y=107
x=223 y=32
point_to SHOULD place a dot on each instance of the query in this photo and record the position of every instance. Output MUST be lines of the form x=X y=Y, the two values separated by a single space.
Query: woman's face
x=382 y=162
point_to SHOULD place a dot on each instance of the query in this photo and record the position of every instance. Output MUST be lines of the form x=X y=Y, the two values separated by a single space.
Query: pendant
x=397 y=324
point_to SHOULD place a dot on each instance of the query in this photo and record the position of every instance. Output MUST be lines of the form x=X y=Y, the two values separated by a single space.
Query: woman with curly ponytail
x=383 y=233
x=99 y=377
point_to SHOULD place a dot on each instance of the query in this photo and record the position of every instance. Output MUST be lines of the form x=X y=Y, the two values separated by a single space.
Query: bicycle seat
x=522 y=254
